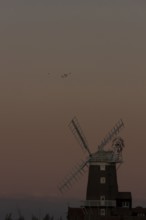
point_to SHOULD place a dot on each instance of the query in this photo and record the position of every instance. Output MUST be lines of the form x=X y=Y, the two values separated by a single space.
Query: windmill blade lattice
x=76 y=173
x=115 y=130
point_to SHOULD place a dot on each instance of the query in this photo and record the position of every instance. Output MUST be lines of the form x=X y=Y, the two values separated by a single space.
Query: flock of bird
x=65 y=75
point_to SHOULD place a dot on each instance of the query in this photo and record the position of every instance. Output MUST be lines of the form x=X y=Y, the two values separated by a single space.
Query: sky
x=102 y=43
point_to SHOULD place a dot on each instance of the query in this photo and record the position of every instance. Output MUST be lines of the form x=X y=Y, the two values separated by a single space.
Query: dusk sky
x=103 y=44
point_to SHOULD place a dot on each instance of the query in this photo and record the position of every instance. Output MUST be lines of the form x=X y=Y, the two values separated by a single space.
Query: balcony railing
x=98 y=203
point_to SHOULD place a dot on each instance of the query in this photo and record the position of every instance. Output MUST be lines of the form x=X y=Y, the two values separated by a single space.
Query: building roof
x=139 y=209
x=124 y=195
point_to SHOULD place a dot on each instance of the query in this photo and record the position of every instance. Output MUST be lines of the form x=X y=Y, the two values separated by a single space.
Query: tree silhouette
x=35 y=218
x=21 y=218
x=47 y=217
x=8 y=216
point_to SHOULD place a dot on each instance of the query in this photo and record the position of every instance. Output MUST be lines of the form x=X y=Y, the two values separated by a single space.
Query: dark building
x=103 y=199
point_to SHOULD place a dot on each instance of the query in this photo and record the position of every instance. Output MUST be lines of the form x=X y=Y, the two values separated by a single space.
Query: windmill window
x=125 y=204
x=102 y=167
x=102 y=180
x=102 y=200
x=102 y=197
x=102 y=212
x=140 y=214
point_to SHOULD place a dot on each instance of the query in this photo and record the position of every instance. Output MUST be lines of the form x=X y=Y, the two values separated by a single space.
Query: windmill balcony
x=98 y=203
x=105 y=156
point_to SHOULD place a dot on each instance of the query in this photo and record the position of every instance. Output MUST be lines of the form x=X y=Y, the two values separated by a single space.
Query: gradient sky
x=103 y=44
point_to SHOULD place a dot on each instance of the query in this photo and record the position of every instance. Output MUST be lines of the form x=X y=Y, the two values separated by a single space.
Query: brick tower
x=102 y=186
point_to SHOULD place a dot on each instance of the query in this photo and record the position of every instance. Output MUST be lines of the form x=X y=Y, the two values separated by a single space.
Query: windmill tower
x=102 y=193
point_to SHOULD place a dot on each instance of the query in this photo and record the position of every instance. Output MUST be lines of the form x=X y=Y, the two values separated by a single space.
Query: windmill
x=102 y=186
x=100 y=156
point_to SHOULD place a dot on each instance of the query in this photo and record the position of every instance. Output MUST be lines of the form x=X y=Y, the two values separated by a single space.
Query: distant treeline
x=46 y=217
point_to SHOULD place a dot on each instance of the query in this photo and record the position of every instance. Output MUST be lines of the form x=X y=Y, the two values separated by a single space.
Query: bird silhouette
x=65 y=75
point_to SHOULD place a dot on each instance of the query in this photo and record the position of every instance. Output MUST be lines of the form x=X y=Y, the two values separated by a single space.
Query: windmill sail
x=78 y=133
x=78 y=171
